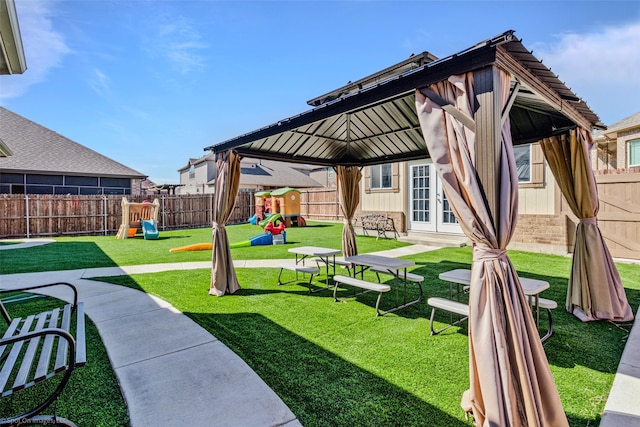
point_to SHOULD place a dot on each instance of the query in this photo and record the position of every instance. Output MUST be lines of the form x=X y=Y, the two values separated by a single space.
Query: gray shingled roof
x=269 y=173
x=37 y=149
x=633 y=121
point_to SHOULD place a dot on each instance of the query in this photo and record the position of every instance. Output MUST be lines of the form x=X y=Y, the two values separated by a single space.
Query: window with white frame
x=381 y=176
x=523 y=162
x=634 y=153
x=192 y=172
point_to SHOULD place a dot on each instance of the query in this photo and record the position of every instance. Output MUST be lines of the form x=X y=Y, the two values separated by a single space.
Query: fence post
x=163 y=213
x=26 y=207
x=211 y=209
x=104 y=214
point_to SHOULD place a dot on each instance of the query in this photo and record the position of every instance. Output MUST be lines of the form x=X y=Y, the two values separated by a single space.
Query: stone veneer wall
x=541 y=233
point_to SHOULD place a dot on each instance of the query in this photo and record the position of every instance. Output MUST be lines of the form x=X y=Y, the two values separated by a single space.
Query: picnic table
x=394 y=266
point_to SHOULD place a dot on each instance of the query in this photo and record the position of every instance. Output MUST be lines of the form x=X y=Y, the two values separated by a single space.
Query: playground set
x=284 y=202
x=139 y=216
x=275 y=211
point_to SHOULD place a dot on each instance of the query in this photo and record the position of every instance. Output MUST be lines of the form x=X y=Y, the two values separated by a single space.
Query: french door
x=429 y=207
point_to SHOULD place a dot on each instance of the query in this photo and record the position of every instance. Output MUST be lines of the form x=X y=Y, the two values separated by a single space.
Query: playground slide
x=194 y=247
x=149 y=230
x=253 y=220
x=271 y=218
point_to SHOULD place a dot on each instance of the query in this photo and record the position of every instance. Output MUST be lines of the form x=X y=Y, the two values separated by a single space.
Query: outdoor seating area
x=531 y=287
x=262 y=322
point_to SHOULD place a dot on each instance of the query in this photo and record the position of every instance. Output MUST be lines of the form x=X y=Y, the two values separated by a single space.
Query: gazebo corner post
x=348 y=178
x=469 y=140
x=594 y=290
x=227 y=182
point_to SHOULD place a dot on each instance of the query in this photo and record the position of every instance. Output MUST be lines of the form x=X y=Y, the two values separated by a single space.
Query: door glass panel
x=420 y=177
x=447 y=214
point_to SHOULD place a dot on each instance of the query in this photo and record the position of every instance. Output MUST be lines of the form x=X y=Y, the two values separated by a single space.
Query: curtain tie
x=216 y=225
x=346 y=221
x=591 y=221
x=487 y=253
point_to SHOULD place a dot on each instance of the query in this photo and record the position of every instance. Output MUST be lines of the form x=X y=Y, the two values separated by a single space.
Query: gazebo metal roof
x=374 y=120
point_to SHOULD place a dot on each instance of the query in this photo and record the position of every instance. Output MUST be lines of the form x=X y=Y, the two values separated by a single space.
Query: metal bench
x=378 y=222
x=39 y=347
x=312 y=271
x=362 y=284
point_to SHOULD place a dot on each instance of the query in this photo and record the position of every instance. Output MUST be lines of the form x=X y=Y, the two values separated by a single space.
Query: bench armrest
x=6 y=315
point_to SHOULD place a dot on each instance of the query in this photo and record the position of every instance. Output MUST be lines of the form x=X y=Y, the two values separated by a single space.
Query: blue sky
x=151 y=83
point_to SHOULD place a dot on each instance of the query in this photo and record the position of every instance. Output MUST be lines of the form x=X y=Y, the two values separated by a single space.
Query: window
x=192 y=172
x=381 y=176
x=634 y=153
x=523 y=162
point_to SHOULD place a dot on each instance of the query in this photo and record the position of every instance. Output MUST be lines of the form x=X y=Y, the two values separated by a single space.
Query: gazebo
x=465 y=112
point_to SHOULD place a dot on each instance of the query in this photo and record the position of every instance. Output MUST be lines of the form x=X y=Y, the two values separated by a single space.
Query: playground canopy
x=465 y=112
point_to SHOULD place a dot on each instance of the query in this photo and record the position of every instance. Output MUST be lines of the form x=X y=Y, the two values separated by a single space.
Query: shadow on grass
x=321 y=388
x=53 y=257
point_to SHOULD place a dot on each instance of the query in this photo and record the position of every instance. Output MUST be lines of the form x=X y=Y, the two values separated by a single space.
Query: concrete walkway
x=173 y=372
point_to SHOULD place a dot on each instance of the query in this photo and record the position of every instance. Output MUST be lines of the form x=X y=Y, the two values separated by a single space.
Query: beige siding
x=388 y=201
x=538 y=200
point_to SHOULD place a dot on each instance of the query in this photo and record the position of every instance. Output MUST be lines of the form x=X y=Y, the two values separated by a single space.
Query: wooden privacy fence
x=35 y=215
x=618 y=217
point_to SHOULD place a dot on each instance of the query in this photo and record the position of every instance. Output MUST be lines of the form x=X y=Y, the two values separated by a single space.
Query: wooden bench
x=450 y=306
x=39 y=347
x=298 y=268
x=378 y=222
x=362 y=284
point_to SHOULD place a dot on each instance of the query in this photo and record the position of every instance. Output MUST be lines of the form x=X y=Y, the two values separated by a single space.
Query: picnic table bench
x=378 y=222
x=38 y=347
x=362 y=284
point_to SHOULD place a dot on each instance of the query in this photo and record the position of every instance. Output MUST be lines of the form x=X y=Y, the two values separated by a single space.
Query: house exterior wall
x=541 y=226
x=623 y=149
x=196 y=183
x=538 y=199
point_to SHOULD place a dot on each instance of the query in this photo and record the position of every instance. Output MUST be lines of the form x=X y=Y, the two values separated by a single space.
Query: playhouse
x=286 y=202
x=139 y=216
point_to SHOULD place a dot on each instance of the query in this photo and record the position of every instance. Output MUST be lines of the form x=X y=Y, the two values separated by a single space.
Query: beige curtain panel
x=510 y=379
x=223 y=275
x=349 y=186
x=595 y=289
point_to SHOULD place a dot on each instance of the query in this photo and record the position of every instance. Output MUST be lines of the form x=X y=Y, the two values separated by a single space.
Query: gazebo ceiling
x=374 y=120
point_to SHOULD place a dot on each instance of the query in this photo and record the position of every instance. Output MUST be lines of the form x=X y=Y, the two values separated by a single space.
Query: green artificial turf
x=337 y=364
x=70 y=253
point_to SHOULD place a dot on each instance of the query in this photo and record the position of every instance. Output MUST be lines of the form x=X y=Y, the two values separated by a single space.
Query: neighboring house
x=616 y=160
x=45 y=162
x=618 y=147
x=198 y=176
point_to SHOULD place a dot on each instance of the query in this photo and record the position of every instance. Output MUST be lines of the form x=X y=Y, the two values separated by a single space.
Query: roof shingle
x=37 y=149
